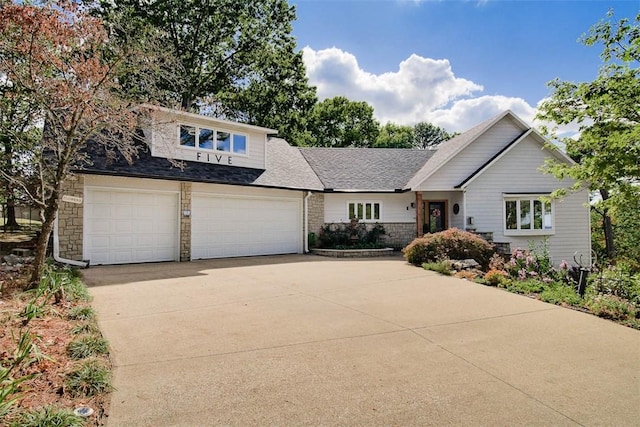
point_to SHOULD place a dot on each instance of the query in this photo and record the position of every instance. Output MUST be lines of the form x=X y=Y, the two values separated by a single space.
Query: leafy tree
x=395 y=136
x=428 y=135
x=17 y=134
x=57 y=56
x=232 y=59
x=339 y=122
x=608 y=112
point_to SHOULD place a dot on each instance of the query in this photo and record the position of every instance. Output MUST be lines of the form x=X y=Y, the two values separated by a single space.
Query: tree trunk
x=607 y=228
x=11 y=222
x=50 y=213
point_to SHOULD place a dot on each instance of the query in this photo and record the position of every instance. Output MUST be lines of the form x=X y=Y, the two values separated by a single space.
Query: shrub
x=495 y=277
x=442 y=267
x=350 y=234
x=48 y=416
x=558 y=293
x=496 y=262
x=87 y=346
x=88 y=379
x=449 y=244
x=611 y=307
x=618 y=281
x=535 y=263
x=526 y=287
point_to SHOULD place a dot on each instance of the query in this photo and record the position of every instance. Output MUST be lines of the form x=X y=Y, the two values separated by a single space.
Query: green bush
x=618 y=281
x=558 y=293
x=526 y=287
x=449 y=244
x=442 y=267
x=347 y=235
x=611 y=307
x=87 y=346
x=48 y=416
x=90 y=378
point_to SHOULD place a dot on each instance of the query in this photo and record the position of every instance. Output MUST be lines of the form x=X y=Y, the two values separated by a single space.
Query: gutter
x=306 y=222
x=56 y=249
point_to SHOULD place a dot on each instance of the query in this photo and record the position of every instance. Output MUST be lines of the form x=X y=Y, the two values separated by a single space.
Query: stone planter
x=353 y=253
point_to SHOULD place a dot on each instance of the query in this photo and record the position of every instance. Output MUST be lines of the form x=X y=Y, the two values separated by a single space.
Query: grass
x=48 y=416
x=86 y=346
x=81 y=312
x=91 y=377
x=442 y=267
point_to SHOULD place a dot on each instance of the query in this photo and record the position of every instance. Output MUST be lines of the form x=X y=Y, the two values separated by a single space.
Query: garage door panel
x=130 y=226
x=224 y=226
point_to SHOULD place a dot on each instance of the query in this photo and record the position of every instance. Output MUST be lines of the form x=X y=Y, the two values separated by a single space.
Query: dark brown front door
x=435 y=214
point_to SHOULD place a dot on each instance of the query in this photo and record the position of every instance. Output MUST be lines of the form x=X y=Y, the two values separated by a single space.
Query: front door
x=435 y=216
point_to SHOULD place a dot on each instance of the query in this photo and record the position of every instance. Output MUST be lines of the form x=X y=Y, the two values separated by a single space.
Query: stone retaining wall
x=353 y=253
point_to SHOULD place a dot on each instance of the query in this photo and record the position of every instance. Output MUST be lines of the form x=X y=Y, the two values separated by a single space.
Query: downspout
x=56 y=249
x=306 y=221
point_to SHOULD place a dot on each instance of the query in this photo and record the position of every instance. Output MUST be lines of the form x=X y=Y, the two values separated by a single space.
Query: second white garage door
x=230 y=226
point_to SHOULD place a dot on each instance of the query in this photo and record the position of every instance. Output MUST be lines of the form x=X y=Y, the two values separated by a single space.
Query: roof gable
x=451 y=148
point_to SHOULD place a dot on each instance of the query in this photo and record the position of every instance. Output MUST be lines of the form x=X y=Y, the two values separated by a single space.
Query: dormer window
x=212 y=139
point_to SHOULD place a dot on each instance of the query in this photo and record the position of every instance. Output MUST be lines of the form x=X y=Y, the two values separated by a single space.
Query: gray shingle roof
x=365 y=169
x=286 y=167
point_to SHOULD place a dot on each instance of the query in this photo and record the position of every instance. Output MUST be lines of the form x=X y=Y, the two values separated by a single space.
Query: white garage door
x=130 y=226
x=229 y=226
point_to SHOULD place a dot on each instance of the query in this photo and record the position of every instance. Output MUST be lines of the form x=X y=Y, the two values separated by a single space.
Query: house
x=209 y=188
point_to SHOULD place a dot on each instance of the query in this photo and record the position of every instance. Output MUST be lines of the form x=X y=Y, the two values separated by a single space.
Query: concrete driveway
x=305 y=340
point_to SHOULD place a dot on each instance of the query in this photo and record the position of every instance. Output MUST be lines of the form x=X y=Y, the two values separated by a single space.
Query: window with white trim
x=528 y=215
x=212 y=139
x=365 y=211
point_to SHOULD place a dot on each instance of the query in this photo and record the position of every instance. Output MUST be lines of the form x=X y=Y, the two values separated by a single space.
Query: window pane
x=352 y=210
x=537 y=215
x=525 y=215
x=548 y=219
x=511 y=219
x=376 y=211
x=205 y=140
x=187 y=136
x=223 y=141
x=368 y=211
x=360 y=207
x=239 y=144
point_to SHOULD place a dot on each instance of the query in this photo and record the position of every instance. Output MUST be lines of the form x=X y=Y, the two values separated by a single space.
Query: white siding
x=518 y=172
x=473 y=156
x=198 y=187
x=130 y=183
x=164 y=142
x=394 y=206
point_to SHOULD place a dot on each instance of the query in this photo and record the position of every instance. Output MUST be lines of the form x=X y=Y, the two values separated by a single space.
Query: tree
x=339 y=122
x=233 y=59
x=395 y=136
x=427 y=135
x=17 y=133
x=608 y=112
x=57 y=56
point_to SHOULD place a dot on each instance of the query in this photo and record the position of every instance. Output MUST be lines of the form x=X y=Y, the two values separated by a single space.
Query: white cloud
x=421 y=89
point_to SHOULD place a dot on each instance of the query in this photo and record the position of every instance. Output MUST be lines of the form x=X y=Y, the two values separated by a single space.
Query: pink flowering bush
x=535 y=263
x=449 y=244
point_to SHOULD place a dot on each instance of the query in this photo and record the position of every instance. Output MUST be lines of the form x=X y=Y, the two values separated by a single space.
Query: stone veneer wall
x=315 y=208
x=185 y=221
x=399 y=234
x=70 y=217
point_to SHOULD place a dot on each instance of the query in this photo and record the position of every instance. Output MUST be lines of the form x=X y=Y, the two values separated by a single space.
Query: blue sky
x=451 y=62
